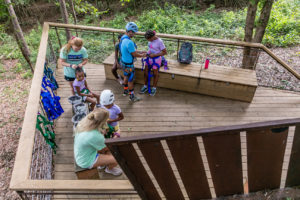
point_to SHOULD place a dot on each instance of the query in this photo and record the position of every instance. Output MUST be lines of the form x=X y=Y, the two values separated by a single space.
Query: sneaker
x=135 y=99
x=144 y=89
x=153 y=91
x=101 y=167
x=126 y=92
x=116 y=171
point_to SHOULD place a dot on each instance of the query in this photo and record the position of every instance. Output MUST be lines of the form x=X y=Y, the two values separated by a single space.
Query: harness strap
x=147 y=60
x=48 y=135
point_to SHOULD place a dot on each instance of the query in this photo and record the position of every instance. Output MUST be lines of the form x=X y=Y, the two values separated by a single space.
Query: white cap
x=107 y=97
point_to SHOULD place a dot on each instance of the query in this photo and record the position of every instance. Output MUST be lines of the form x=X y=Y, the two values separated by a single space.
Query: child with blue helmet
x=129 y=52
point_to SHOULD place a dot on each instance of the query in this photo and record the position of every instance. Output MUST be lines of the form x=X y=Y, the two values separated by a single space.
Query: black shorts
x=72 y=79
x=69 y=78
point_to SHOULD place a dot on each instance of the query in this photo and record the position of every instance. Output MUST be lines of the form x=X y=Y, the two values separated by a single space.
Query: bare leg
x=92 y=101
x=155 y=79
x=72 y=89
x=114 y=70
x=130 y=85
x=104 y=159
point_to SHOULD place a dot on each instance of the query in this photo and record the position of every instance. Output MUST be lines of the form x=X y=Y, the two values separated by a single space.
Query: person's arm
x=104 y=150
x=162 y=53
x=87 y=87
x=85 y=60
x=120 y=117
x=136 y=54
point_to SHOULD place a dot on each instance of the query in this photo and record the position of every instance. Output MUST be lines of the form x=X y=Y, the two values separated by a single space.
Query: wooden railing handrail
x=207 y=131
x=191 y=38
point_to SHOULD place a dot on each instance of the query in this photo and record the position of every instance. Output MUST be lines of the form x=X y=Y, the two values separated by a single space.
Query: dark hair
x=120 y=35
x=149 y=34
x=78 y=70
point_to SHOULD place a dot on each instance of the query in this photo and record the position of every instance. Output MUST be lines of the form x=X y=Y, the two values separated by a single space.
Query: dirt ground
x=14 y=92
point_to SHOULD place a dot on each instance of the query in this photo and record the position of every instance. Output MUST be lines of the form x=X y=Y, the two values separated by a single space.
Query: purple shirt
x=79 y=84
x=156 y=46
x=114 y=111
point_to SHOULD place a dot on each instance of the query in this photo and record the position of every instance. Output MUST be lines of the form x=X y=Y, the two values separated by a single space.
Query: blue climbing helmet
x=131 y=26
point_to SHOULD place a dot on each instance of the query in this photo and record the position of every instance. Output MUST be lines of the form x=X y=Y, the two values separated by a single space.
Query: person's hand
x=80 y=65
x=151 y=55
x=109 y=121
x=144 y=54
x=74 y=66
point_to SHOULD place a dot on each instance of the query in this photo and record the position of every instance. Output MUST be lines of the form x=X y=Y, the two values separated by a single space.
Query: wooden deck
x=169 y=110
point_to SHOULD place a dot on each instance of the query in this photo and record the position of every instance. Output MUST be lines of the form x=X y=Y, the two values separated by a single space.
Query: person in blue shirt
x=128 y=54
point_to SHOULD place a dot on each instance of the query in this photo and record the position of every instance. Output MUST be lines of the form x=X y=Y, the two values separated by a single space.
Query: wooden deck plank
x=169 y=110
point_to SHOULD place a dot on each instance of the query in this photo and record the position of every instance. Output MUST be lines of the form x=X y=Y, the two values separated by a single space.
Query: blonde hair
x=78 y=42
x=95 y=120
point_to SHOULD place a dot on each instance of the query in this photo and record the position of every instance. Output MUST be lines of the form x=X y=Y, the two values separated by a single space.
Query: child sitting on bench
x=82 y=89
x=153 y=61
x=115 y=114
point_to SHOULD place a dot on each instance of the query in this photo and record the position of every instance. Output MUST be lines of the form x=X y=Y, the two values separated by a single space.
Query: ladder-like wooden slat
x=133 y=168
x=157 y=160
x=294 y=165
x=225 y=162
x=187 y=157
x=265 y=151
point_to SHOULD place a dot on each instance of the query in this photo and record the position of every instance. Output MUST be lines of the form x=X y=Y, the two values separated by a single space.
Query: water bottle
x=206 y=63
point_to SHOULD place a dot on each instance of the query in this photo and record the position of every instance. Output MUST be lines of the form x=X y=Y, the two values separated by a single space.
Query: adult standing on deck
x=73 y=55
x=128 y=54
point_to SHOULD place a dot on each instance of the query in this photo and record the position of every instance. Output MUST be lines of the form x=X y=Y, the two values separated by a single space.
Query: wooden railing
x=189 y=38
x=266 y=145
x=20 y=180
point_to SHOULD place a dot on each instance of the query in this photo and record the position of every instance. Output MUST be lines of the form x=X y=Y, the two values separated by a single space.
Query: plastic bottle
x=206 y=63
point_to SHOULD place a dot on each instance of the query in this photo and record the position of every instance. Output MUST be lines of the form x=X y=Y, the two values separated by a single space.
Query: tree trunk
x=74 y=15
x=19 y=33
x=65 y=17
x=251 y=56
x=250 y=19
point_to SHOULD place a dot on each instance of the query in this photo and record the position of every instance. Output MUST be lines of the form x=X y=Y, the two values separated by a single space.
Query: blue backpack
x=185 y=53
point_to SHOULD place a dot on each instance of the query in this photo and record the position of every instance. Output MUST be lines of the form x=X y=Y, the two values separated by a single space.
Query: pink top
x=79 y=84
x=156 y=46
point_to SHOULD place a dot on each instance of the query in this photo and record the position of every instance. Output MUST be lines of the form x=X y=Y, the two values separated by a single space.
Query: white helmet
x=107 y=97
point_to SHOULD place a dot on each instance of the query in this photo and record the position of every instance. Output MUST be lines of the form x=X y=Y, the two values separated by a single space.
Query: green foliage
x=284 y=25
x=283 y=28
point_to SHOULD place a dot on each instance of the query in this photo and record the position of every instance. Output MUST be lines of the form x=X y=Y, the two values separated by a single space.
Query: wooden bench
x=219 y=81
x=83 y=173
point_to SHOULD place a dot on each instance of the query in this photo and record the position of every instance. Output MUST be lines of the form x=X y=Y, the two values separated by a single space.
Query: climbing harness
x=49 y=74
x=48 y=135
x=150 y=75
x=150 y=66
x=50 y=101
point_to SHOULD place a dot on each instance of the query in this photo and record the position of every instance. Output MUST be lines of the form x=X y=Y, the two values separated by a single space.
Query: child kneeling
x=115 y=114
x=156 y=50
x=82 y=89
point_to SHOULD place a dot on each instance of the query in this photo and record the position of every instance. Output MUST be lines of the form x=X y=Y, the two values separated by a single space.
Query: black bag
x=185 y=53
